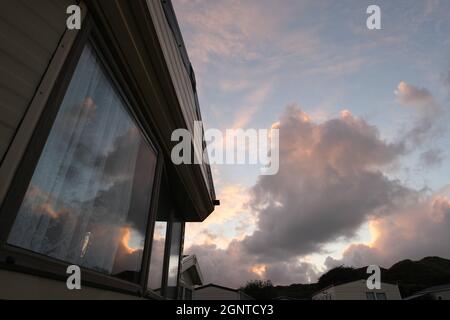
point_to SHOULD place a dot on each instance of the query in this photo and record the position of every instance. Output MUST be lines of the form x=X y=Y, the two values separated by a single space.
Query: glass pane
x=381 y=296
x=157 y=260
x=370 y=296
x=187 y=294
x=174 y=259
x=88 y=200
x=155 y=276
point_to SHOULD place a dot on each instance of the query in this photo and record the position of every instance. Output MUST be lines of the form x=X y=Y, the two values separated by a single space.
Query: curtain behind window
x=89 y=197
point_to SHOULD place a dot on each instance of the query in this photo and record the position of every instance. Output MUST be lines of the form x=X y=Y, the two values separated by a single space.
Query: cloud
x=328 y=185
x=414 y=231
x=117 y=164
x=445 y=191
x=83 y=234
x=431 y=6
x=233 y=267
x=233 y=85
x=233 y=43
x=237 y=32
x=447 y=79
x=431 y=158
x=410 y=95
x=228 y=267
x=232 y=28
x=332 y=178
x=337 y=66
x=331 y=183
x=429 y=113
x=253 y=103
x=291 y=271
x=231 y=220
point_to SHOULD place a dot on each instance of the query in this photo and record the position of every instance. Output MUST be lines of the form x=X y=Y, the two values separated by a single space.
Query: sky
x=364 y=173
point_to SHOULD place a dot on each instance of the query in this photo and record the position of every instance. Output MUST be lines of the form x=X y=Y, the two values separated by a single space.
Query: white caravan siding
x=27 y=287
x=357 y=291
x=214 y=293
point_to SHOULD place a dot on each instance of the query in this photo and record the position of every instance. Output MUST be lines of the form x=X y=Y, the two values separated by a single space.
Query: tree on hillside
x=260 y=290
x=339 y=275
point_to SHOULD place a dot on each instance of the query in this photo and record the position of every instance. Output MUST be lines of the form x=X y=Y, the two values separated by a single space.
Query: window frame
x=163 y=290
x=25 y=261
x=174 y=217
x=188 y=291
x=382 y=294
x=370 y=293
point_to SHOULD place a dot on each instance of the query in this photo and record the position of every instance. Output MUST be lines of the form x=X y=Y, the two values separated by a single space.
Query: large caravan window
x=89 y=198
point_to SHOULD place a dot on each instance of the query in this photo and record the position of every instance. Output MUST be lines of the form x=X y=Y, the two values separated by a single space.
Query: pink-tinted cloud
x=410 y=95
x=252 y=104
x=235 y=28
x=232 y=220
x=330 y=182
x=415 y=230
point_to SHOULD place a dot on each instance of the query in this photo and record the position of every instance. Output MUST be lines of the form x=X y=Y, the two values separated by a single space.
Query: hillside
x=411 y=276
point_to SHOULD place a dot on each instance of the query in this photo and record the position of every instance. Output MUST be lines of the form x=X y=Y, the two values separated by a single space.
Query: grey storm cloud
x=234 y=267
x=328 y=185
x=229 y=267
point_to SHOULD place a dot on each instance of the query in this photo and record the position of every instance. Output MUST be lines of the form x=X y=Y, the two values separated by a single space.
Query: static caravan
x=358 y=290
x=191 y=277
x=216 y=292
x=86 y=178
